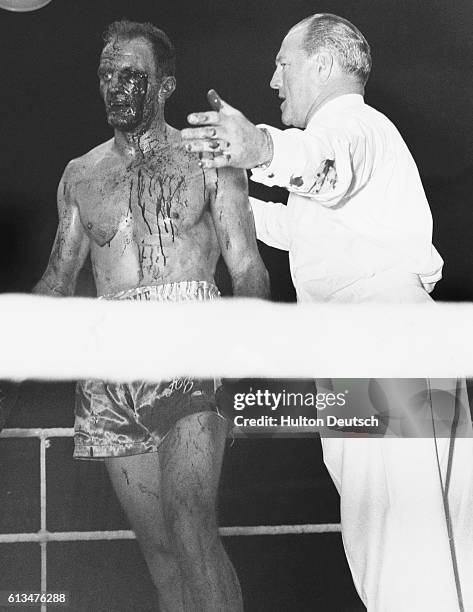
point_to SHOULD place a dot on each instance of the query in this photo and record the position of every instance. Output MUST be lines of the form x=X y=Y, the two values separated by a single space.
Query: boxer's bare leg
x=137 y=483
x=192 y=463
x=182 y=498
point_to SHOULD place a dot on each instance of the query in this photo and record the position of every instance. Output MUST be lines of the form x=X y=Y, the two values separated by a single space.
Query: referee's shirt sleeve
x=324 y=164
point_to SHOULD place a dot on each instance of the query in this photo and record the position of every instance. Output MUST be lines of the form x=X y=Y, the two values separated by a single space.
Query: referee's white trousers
x=392 y=511
x=394 y=525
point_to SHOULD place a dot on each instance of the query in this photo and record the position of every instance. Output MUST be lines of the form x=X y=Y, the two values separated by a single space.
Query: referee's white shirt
x=371 y=221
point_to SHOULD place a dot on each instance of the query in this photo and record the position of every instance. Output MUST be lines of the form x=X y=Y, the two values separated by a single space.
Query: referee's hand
x=225 y=137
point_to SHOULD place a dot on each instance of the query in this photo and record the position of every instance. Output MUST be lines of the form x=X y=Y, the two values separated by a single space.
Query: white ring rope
x=65 y=339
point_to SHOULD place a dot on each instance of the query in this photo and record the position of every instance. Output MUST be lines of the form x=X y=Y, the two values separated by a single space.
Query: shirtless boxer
x=154 y=225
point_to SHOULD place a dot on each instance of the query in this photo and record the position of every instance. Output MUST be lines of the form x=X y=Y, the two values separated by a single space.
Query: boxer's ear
x=167 y=86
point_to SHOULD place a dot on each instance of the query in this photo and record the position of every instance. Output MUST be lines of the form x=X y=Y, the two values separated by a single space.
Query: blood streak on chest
x=153 y=199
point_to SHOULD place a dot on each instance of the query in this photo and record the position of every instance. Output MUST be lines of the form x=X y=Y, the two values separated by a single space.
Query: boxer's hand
x=226 y=137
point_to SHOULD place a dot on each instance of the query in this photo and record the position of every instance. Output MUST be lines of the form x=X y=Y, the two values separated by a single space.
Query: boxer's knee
x=190 y=523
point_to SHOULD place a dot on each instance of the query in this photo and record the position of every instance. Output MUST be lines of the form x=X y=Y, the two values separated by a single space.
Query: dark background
x=51 y=112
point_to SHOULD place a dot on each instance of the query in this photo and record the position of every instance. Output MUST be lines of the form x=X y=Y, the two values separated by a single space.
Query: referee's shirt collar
x=336 y=105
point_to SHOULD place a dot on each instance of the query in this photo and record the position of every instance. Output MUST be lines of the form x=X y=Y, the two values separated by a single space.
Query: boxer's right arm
x=71 y=244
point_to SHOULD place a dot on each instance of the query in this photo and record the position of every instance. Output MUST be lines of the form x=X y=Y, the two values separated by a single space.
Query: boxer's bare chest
x=157 y=199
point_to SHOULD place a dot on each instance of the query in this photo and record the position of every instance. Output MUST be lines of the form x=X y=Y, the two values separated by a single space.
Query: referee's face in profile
x=295 y=78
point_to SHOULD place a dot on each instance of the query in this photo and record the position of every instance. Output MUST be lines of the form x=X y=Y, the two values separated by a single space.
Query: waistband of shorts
x=168 y=292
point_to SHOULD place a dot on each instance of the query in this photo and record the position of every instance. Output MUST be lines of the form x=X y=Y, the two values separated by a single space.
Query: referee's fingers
x=207 y=118
x=200 y=132
x=207 y=146
x=222 y=161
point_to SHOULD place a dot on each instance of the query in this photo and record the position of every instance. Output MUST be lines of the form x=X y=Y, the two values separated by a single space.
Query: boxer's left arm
x=71 y=244
x=235 y=228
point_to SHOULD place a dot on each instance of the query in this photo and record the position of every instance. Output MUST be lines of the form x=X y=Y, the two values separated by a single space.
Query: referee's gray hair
x=342 y=38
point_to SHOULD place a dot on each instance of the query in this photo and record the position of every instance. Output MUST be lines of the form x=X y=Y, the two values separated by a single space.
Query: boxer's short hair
x=163 y=49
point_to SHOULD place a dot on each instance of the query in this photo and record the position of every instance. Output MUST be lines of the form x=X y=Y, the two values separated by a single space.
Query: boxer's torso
x=148 y=218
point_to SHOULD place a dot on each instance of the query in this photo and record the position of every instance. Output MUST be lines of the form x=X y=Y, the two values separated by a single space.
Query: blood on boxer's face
x=128 y=79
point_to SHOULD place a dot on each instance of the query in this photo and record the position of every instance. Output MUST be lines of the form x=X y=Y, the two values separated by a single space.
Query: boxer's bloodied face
x=129 y=84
